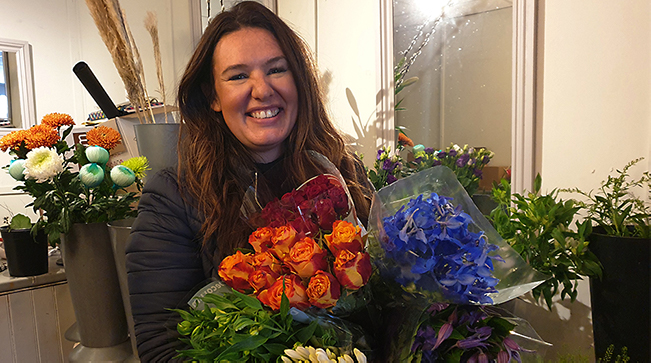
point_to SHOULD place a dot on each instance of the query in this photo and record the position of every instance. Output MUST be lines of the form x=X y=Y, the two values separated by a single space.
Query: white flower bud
x=97 y=154
x=91 y=175
x=122 y=176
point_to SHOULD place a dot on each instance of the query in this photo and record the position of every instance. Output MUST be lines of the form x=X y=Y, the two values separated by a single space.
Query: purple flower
x=477 y=340
x=436 y=307
x=388 y=165
x=429 y=150
x=477 y=172
x=442 y=154
x=486 y=159
x=391 y=179
x=379 y=154
x=453 y=152
x=462 y=160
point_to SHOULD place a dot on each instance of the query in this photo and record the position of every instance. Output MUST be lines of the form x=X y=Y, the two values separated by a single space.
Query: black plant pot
x=620 y=301
x=26 y=255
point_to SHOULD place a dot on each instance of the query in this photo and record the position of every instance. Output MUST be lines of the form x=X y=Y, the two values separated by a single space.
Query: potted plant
x=537 y=226
x=26 y=251
x=77 y=191
x=621 y=239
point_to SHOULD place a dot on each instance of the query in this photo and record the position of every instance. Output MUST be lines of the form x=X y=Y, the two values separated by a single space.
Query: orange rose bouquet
x=308 y=245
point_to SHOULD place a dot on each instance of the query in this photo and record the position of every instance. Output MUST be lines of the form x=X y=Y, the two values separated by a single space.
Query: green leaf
x=20 y=221
x=249 y=343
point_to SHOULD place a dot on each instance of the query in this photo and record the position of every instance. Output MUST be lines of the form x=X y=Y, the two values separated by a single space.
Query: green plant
x=620 y=358
x=615 y=208
x=235 y=327
x=19 y=221
x=538 y=228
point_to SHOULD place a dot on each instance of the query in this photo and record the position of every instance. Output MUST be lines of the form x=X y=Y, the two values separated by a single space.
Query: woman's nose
x=261 y=88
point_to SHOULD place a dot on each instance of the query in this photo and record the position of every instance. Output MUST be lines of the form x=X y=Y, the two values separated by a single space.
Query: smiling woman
x=251 y=113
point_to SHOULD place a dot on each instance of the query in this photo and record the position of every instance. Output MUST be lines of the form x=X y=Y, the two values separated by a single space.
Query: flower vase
x=26 y=254
x=621 y=298
x=95 y=292
x=158 y=143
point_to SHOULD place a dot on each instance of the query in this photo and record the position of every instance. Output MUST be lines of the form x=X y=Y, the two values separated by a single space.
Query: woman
x=250 y=108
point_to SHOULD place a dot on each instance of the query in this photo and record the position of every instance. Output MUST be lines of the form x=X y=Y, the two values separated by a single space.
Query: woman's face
x=256 y=92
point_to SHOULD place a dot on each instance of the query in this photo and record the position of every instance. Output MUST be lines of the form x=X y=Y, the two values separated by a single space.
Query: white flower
x=97 y=154
x=43 y=164
x=122 y=176
x=16 y=169
x=91 y=175
x=310 y=354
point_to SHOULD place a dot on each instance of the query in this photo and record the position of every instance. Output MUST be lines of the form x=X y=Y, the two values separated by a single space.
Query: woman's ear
x=216 y=105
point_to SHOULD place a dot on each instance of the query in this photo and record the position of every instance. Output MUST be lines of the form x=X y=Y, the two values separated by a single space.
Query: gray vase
x=158 y=143
x=94 y=285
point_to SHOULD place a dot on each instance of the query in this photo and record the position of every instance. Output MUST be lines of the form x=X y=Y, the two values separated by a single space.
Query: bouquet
x=306 y=263
x=72 y=185
x=431 y=245
x=466 y=162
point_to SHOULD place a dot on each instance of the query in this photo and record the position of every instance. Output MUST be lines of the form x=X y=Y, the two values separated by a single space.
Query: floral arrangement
x=306 y=249
x=306 y=261
x=466 y=162
x=436 y=253
x=463 y=333
x=47 y=165
x=431 y=249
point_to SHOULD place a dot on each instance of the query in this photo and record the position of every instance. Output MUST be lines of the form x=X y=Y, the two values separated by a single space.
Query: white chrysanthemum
x=43 y=164
x=309 y=354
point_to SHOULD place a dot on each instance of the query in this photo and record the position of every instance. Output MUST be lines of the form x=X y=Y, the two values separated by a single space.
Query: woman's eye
x=237 y=77
x=277 y=70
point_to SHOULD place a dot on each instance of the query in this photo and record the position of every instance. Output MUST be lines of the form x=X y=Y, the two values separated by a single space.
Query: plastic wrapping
x=515 y=276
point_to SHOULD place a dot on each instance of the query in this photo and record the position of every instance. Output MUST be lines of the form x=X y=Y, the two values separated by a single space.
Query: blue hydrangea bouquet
x=431 y=245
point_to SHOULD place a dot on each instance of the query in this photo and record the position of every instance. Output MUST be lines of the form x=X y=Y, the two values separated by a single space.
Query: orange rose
x=352 y=269
x=345 y=236
x=306 y=257
x=267 y=260
x=236 y=269
x=262 y=279
x=294 y=290
x=324 y=290
x=260 y=239
x=283 y=240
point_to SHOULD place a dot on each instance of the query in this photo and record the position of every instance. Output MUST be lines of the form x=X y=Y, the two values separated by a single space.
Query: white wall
x=344 y=36
x=594 y=116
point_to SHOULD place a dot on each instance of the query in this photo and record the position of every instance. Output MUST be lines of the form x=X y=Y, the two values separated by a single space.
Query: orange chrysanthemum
x=41 y=135
x=103 y=136
x=13 y=139
x=404 y=140
x=57 y=120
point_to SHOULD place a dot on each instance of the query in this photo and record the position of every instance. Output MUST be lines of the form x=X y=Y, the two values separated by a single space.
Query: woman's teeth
x=265 y=114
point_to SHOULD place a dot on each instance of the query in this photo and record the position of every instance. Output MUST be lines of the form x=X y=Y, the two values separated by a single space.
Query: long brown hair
x=215 y=168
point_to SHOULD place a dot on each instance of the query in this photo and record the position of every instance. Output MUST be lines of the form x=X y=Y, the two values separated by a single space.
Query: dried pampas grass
x=151 y=24
x=114 y=30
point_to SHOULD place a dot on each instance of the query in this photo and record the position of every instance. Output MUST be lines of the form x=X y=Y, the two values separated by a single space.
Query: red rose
x=283 y=239
x=260 y=239
x=325 y=213
x=294 y=290
x=236 y=269
x=324 y=290
x=304 y=225
x=339 y=199
x=352 y=269
x=306 y=258
x=345 y=236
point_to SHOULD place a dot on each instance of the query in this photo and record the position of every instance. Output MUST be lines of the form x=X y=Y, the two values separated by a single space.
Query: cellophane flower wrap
x=309 y=249
x=430 y=244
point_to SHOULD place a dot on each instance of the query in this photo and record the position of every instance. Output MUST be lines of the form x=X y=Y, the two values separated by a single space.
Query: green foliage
x=538 y=228
x=20 y=221
x=235 y=327
x=615 y=208
x=620 y=358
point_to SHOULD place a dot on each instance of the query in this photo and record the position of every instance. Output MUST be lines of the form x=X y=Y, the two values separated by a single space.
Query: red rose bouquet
x=307 y=245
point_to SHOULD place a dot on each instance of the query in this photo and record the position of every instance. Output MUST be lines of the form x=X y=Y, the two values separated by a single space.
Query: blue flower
x=429 y=244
